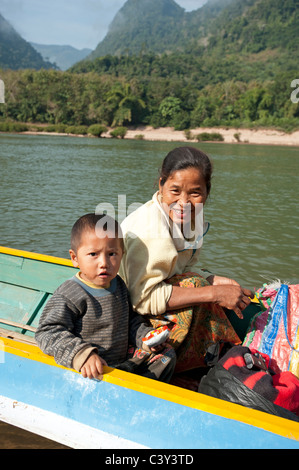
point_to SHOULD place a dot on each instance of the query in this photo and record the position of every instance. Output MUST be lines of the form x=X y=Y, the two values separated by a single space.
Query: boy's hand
x=93 y=367
x=154 y=349
x=155 y=340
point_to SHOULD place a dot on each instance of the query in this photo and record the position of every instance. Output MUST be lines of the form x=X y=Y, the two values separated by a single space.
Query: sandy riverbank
x=251 y=136
x=168 y=134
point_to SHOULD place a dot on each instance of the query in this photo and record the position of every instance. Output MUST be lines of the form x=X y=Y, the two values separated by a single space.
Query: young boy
x=88 y=323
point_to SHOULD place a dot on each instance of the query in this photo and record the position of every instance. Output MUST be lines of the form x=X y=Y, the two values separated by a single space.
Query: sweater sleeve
x=54 y=334
x=138 y=328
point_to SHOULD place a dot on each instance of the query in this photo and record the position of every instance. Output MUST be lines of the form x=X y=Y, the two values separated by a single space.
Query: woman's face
x=181 y=192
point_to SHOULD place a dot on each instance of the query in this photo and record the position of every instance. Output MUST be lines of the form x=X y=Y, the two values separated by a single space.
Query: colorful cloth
x=275 y=331
x=194 y=329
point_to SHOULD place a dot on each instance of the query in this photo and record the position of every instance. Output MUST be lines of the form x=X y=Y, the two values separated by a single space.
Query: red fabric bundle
x=282 y=389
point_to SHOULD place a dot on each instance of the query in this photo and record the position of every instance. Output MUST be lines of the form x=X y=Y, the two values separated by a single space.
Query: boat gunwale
x=36 y=256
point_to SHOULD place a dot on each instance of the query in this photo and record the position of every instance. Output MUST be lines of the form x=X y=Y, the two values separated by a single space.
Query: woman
x=162 y=245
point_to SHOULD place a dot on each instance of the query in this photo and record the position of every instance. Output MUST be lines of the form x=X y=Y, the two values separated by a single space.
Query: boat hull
x=122 y=411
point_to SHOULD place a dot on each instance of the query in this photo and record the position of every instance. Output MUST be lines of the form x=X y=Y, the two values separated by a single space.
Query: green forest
x=162 y=98
x=231 y=67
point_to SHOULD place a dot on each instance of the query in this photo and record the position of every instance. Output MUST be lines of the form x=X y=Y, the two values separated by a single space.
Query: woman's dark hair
x=182 y=158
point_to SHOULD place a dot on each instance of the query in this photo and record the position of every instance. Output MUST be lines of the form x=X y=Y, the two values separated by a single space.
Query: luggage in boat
x=242 y=376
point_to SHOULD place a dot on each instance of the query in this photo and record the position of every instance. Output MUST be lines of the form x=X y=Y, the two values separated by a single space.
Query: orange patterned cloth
x=194 y=329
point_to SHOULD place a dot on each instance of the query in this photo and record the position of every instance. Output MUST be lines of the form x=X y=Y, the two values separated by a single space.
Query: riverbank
x=251 y=136
x=229 y=135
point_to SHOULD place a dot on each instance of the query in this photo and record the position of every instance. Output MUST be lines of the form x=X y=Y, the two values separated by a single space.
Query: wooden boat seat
x=25 y=286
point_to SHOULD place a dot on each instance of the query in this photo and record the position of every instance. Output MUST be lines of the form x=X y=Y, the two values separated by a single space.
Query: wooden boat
x=123 y=411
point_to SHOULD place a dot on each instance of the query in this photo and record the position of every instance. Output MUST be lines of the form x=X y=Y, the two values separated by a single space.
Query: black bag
x=242 y=377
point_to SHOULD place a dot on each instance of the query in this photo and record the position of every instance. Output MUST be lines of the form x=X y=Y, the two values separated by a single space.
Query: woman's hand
x=93 y=367
x=220 y=280
x=236 y=299
x=223 y=291
x=232 y=296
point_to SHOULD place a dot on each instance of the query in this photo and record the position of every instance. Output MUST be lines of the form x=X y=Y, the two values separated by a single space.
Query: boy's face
x=98 y=258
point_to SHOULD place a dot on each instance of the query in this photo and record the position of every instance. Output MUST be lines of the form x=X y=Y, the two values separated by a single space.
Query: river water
x=47 y=182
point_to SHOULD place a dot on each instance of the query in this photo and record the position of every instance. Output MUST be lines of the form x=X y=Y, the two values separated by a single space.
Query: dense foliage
x=91 y=98
x=233 y=65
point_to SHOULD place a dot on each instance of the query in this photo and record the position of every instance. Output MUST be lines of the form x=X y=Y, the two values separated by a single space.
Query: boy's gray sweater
x=78 y=318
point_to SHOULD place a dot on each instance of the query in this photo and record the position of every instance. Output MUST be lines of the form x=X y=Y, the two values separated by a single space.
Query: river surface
x=48 y=182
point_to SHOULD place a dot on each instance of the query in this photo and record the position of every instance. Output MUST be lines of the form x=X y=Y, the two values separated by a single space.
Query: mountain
x=142 y=24
x=15 y=52
x=63 y=56
x=159 y=26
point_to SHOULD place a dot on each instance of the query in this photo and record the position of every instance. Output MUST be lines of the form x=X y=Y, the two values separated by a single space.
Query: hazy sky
x=78 y=23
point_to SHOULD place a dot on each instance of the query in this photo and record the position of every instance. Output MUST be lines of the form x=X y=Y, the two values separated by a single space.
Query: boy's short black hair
x=91 y=222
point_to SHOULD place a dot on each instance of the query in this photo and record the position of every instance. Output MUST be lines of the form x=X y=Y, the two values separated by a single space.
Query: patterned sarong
x=194 y=329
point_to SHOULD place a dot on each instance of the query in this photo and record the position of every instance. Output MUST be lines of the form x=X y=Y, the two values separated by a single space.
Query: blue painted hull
x=125 y=413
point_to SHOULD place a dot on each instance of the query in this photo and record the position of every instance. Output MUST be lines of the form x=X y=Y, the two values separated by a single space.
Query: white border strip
x=58 y=428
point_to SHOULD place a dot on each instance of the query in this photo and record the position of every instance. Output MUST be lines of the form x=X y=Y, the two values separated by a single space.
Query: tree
x=126 y=104
x=170 y=108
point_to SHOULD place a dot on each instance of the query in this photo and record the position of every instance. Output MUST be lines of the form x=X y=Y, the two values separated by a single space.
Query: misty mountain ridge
x=15 y=52
x=63 y=56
